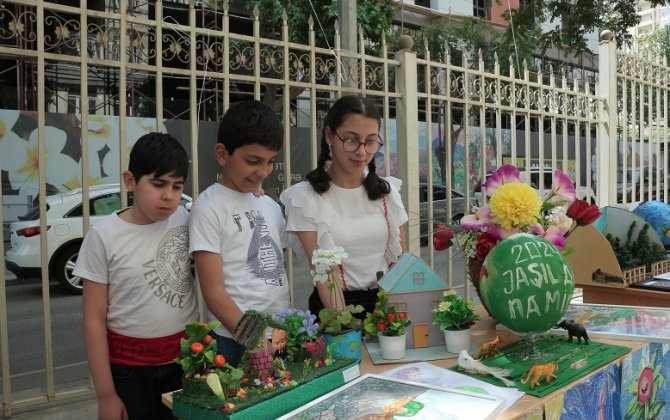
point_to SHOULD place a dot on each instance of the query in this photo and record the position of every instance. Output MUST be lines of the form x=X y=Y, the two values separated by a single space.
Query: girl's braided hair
x=374 y=185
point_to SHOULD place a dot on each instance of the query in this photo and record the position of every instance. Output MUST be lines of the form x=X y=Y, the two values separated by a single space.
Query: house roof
x=401 y=277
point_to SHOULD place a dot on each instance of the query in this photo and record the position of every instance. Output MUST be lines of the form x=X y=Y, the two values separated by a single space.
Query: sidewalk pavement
x=80 y=408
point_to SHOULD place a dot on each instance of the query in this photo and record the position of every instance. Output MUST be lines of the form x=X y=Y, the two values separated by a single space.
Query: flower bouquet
x=516 y=207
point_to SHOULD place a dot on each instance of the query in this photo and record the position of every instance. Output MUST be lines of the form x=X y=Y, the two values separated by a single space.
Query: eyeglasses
x=352 y=144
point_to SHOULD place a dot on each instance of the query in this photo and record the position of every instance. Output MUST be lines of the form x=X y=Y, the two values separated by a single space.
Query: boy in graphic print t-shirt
x=237 y=237
x=138 y=287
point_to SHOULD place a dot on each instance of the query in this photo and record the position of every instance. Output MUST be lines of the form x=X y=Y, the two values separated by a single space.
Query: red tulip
x=442 y=237
x=583 y=213
x=402 y=315
x=391 y=317
x=381 y=326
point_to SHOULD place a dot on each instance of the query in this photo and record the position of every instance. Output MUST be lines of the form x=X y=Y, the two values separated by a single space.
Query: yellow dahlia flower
x=515 y=204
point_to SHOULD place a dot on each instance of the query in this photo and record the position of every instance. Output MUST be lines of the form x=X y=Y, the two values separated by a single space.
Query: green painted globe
x=526 y=283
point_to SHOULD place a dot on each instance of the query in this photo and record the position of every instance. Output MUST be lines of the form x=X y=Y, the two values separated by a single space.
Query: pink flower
x=554 y=235
x=645 y=385
x=477 y=220
x=563 y=186
x=499 y=233
x=505 y=174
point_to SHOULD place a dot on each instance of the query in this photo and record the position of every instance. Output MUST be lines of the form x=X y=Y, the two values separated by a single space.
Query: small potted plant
x=339 y=327
x=455 y=315
x=390 y=327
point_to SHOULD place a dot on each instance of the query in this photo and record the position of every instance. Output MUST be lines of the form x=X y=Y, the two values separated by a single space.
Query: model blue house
x=413 y=287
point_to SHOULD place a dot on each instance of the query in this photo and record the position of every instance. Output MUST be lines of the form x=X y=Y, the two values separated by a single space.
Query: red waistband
x=132 y=351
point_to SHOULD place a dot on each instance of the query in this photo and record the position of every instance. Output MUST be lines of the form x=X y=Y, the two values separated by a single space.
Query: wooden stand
x=630 y=296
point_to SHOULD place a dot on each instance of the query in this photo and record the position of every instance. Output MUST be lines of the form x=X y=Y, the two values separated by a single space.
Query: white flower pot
x=392 y=347
x=457 y=340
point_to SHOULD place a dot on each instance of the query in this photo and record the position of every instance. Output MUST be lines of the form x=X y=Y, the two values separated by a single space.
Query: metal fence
x=176 y=67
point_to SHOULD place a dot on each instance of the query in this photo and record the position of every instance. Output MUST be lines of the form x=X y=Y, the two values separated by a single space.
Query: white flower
x=325 y=261
x=557 y=217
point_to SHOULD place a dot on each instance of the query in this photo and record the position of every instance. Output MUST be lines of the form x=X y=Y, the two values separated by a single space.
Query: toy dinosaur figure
x=545 y=370
x=488 y=349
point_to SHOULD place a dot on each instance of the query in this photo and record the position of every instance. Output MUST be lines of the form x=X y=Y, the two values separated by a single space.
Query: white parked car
x=64 y=233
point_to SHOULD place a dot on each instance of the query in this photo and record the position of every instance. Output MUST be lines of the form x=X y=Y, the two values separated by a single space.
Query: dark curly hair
x=375 y=186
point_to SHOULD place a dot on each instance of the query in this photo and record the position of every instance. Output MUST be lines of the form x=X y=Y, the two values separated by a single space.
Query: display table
x=485 y=330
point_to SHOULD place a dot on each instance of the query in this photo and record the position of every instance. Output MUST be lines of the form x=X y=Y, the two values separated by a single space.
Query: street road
x=26 y=332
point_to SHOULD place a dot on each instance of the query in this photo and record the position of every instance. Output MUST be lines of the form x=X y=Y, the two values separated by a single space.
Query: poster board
x=644 y=383
x=371 y=395
x=592 y=258
x=619 y=322
x=591 y=251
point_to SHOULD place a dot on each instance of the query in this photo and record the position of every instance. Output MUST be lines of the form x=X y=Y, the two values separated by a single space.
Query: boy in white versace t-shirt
x=138 y=286
x=236 y=237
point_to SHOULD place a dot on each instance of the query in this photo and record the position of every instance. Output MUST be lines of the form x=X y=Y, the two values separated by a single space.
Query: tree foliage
x=375 y=18
x=572 y=21
x=655 y=44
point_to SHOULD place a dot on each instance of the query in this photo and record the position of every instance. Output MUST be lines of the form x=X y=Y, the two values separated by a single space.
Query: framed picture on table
x=373 y=396
x=640 y=323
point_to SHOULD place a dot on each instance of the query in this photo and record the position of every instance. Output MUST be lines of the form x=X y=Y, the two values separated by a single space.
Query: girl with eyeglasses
x=345 y=203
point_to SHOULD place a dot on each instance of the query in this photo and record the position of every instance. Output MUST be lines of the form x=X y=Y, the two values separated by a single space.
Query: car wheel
x=63 y=269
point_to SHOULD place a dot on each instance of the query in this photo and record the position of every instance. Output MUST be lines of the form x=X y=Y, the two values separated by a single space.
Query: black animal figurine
x=574 y=330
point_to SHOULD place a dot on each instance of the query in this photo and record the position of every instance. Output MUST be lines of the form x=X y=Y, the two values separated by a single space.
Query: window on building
x=527 y=4
x=418 y=278
x=400 y=306
x=423 y=3
x=479 y=9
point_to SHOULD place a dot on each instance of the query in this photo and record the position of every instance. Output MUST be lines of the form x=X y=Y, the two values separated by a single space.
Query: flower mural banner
x=596 y=398
x=644 y=388
x=19 y=158
x=623 y=322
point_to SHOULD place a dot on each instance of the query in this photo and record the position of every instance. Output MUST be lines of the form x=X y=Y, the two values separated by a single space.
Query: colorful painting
x=596 y=398
x=375 y=397
x=623 y=322
x=644 y=389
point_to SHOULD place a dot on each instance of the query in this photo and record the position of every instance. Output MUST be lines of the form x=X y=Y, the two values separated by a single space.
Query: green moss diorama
x=196 y=401
x=636 y=252
x=274 y=376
